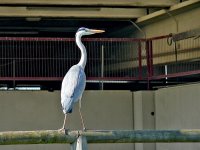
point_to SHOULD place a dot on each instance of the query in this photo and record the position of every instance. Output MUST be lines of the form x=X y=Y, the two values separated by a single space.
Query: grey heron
x=74 y=81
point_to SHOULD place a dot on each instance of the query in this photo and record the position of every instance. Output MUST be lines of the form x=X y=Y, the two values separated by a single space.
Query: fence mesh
x=108 y=58
x=52 y=57
x=175 y=59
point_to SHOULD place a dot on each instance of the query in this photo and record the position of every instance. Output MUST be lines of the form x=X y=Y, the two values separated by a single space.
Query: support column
x=80 y=144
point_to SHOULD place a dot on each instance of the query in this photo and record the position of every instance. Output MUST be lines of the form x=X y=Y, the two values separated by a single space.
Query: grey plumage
x=73 y=84
x=75 y=79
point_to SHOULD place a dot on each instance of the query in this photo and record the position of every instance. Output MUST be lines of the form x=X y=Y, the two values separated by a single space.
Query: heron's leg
x=82 y=121
x=64 y=121
x=63 y=127
x=80 y=101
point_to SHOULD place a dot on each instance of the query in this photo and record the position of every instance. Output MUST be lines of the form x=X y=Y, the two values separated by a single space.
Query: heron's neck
x=83 y=59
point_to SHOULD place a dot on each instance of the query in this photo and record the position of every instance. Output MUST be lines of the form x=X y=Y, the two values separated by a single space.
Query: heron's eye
x=86 y=30
x=81 y=29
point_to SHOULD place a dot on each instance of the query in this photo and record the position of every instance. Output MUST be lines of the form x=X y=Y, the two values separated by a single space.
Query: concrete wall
x=178 y=108
x=144 y=118
x=23 y=110
x=174 y=107
x=168 y=108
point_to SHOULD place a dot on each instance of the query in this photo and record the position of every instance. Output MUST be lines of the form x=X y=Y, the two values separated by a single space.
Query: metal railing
x=173 y=59
x=100 y=136
x=48 y=59
x=79 y=140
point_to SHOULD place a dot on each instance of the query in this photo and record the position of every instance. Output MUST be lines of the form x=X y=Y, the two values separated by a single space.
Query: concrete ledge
x=67 y=12
x=105 y=3
x=174 y=10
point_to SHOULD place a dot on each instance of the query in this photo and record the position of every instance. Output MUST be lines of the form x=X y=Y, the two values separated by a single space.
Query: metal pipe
x=175 y=20
x=144 y=34
x=100 y=136
x=166 y=69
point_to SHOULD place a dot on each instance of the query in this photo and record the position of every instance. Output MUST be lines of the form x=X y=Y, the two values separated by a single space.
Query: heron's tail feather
x=69 y=111
x=67 y=105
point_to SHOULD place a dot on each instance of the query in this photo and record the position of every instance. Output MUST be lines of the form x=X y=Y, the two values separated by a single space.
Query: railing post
x=140 y=59
x=80 y=144
x=151 y=57
x=102 y=65
x=148 y=64
x=14 y=73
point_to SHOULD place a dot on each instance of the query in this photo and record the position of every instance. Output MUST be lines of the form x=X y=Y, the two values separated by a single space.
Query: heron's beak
x=96 y=31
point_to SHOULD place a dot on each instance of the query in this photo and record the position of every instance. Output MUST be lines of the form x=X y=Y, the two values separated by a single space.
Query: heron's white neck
x=83 y=59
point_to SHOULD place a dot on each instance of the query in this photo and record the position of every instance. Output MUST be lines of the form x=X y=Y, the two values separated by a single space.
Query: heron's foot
x=61 y=130
x=84 y=129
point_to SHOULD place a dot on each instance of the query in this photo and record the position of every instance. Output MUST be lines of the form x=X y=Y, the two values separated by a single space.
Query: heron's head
x=85 y=31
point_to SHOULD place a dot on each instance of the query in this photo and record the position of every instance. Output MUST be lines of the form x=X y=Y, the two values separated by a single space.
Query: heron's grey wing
x=80 y=85
x=73 y=86
x=73 y=83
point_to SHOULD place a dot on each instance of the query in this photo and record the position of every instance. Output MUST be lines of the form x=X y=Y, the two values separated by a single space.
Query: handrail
x=99 y=136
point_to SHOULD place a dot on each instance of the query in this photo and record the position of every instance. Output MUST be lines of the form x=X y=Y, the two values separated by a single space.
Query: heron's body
x=74 y=81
